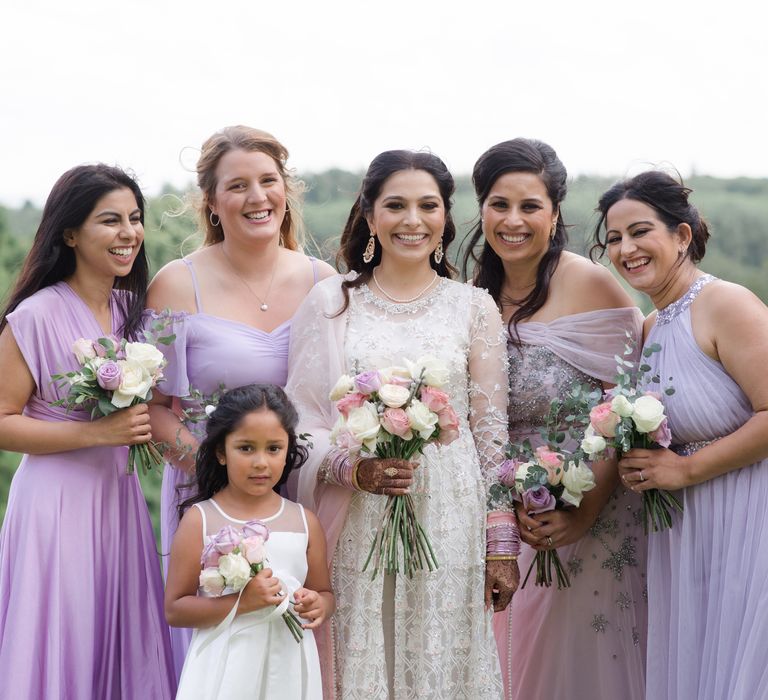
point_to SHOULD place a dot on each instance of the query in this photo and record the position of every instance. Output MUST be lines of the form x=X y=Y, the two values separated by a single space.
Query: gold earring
x=370 y=249
x=554 y=229
x=439 y=253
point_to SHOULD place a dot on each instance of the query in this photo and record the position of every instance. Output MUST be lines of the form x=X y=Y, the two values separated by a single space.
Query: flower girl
x=237 y=524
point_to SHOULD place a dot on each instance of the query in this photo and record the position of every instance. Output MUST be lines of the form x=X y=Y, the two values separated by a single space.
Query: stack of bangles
x=502 y=537
x=339 y=469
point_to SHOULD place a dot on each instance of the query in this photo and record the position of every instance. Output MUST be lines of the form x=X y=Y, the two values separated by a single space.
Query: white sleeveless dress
x=254 y=655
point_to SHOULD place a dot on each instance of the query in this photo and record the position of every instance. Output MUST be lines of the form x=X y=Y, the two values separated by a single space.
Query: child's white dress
x=255 y=655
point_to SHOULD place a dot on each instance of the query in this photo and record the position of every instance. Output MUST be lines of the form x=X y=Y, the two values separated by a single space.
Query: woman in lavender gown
x=234 y=299
x=707 y=574
x=81 y=611
x=567 y=318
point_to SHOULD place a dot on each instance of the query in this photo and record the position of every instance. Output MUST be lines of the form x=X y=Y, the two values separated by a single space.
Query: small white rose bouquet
x=630 y=417
x=393 y=413
x=233 y=557
x=115 y=374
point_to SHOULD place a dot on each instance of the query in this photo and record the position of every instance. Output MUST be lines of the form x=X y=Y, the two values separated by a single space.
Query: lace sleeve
x=488 y=389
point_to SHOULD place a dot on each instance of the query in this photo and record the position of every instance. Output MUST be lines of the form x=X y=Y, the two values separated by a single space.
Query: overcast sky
x=612 y=85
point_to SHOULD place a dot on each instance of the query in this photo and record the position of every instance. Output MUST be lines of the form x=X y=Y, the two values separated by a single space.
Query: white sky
x=612 y=85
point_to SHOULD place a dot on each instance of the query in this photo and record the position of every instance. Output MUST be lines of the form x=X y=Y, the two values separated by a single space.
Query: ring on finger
x=642 y=477
x=549 y=540
x=390 y=471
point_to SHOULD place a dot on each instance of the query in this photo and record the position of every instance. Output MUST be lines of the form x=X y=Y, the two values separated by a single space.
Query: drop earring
x=439 y=253
x=370 y=249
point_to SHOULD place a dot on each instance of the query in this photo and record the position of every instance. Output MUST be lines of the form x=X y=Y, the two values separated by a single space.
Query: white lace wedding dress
x=438 y=640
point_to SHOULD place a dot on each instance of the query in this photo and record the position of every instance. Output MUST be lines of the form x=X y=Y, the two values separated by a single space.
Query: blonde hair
x=245 y=138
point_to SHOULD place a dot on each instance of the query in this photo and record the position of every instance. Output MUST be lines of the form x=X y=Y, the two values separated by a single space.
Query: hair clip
x=209 y=409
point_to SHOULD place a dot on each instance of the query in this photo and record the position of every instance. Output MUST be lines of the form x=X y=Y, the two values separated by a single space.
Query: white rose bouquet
x=393 y=413
x=233 y=557
x=630 y=417
x=115 y=374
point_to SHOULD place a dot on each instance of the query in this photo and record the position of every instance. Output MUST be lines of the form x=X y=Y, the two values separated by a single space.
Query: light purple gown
x=81 y=597
x=708 y=575
x=210 y=353
x=586 y=641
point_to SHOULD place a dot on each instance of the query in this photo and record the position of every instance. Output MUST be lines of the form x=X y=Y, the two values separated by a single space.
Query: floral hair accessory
x=209 y=410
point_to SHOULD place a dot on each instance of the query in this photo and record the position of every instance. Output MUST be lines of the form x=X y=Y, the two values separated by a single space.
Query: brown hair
x=245 y=138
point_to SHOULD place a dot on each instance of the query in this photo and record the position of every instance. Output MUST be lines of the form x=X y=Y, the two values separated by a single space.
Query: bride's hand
x=502 y=579
x=387 y=477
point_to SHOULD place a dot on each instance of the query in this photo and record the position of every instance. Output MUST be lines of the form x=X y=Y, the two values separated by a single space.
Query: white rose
x=344 y=385
x=394 y=396
x=592 y=443
x=235 y=570
x=423 y=421
x=211 y=581
x=83 y=350
x=388 y=373
x=521 y=473
x=148 y=356
x=648 y=414
x=135 y=381
x=577 y=479
x=622 y=406
x=363 y=424
x=435 y=371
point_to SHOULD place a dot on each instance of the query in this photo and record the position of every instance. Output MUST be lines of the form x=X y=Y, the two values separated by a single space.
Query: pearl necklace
x=402 y=301
x=262 y=304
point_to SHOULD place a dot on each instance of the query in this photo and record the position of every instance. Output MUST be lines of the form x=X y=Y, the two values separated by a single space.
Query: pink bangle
x=338 y=468
x=502 y=538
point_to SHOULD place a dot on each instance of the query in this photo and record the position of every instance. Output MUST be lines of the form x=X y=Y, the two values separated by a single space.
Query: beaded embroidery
x=668 y=313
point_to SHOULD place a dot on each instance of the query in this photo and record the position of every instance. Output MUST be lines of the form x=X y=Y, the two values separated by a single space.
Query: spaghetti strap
x=314 y=269
x=199 y=506
x=191 y=269
x=303 y=518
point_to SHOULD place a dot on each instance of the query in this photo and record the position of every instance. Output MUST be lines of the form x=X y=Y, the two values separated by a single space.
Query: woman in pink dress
x=234 y=299
x=81 y=599
x=707 y=574
x=567 y=318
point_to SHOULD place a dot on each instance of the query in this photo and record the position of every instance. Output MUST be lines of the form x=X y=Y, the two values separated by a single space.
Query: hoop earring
x=210 y=218
x=439 y=252
x=370 y=249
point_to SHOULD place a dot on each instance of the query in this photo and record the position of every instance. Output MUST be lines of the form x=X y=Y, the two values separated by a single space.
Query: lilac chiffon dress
x=211 y=355
x=586 y=641
x=81 y=597
x=708 y=574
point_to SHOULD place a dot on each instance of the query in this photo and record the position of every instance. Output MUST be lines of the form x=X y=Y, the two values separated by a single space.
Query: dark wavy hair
x=517 y=156
x=668 y=197
x=356 y=232
x=50 y=260
x=210 y=475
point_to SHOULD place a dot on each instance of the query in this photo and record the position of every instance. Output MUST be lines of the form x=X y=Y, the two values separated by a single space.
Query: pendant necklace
x=402 y=301
x=262 y=304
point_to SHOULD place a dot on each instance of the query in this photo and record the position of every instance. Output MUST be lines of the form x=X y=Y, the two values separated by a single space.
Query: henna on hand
x=502 y=579
x=387 y=477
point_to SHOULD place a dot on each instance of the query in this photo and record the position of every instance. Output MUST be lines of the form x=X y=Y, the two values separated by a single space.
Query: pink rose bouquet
x=394 y=412
x=233 y=557
x=115 y=374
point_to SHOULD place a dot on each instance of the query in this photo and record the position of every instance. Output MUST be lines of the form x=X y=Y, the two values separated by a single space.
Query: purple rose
x=507 y=472
x=109 y=375
x=538 y=500
x=209 y=557
x=368 y=382
x=662 y=435
x=226 y=539
x=256 y=528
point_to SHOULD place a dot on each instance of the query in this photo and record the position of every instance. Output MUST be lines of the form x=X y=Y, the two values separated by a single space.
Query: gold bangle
x=354 y=474
x=501 y=557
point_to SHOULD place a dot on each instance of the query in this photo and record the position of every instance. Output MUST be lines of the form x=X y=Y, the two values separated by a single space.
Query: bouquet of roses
x=233 y=557
x=630 y=417
x=115 y=374
x=393 y=413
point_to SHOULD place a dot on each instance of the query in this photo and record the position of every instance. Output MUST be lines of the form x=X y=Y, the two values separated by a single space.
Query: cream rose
x=577 y=479
x=211 y=581
x=423 y=421
x=135 y=382
x=648 y=413
x=148 y=356
x=235 y=570
x=83 y=350
x=344 y=385
x=435 y=372
x=593 y=443
x=622 y=406
x=394 y=396
x=363 y=424
x=521 y=474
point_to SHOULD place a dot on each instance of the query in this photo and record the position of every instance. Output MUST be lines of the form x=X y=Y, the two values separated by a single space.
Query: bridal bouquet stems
x=115 y=374
x=394 y=413
x=233 y=557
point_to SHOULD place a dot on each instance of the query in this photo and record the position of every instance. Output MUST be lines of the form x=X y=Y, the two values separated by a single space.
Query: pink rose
x=552 y=463
x=211 y=581
x=400 y=381
x=209 y=557
x=538 y=500
x=350 y=401
x=656 y=395
x=368 y=382
x=345 y=440
x=256 y=528
x=434 y=399
x=604 y=420
x=447 y=419
x=108 y=375
x=662 y=435
x=253 y=549
x=226 y=539
x=507 y=471
x=395 y=421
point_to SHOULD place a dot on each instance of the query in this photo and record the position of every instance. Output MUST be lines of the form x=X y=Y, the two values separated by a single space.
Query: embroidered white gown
x=439 y=643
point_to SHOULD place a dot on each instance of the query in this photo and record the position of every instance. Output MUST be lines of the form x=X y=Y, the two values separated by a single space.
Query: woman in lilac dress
x=708 y=573
x=567 y=318
x=234 y=299
x=81 y=611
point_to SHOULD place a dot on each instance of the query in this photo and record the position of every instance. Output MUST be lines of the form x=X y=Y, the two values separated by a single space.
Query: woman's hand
x=261 y=591
x=387 y=477
x=501 y=581
x=127 y=426
x=312 y=606
x=552 y=529
x=643 y=469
